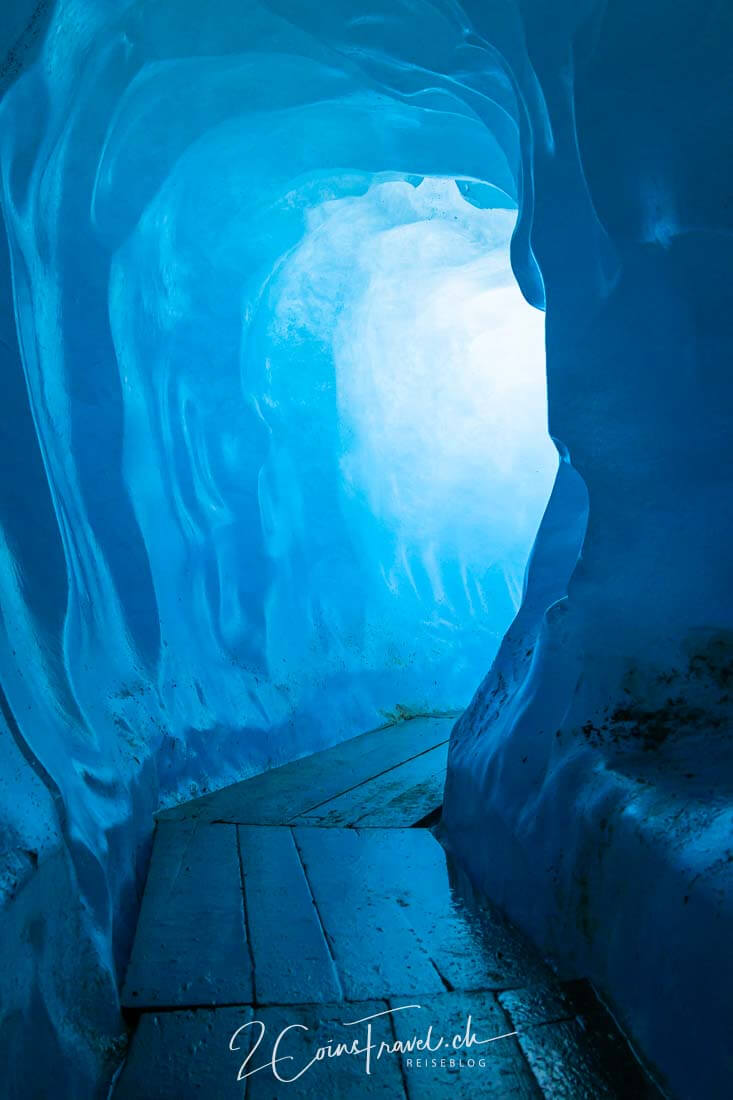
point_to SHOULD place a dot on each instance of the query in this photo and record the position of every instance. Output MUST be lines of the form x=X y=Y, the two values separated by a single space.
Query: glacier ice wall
x=589 y=781
x=277 y=416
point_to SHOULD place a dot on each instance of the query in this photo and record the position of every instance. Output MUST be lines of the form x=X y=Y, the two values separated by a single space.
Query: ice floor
x=316 y=896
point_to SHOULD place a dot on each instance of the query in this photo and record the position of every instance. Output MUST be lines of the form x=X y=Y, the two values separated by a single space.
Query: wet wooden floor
x=310 y=907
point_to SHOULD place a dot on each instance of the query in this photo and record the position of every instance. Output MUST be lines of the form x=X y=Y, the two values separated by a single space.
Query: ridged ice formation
x=277 y=413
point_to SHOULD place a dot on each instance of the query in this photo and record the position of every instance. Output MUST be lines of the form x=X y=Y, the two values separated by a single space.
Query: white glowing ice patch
x=440 y=368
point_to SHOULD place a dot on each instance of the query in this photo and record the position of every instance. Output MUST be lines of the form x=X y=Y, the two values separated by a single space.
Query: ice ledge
x=615 y=858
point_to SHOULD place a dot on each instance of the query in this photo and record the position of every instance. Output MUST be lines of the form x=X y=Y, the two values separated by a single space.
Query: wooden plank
x=396 y=799
x=277 y=796
x=549 y=1002
x=185 y=1054
x=292 y=961
x=585 y=1058
x=366 y=920
x=338 y=1078
x=397 y=922
x=191 y=945
x=496 y=1070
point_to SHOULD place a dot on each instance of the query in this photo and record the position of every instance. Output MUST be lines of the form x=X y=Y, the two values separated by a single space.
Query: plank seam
x=322 y=926
x=364 y=782
x=245 y=911
x=400 y=1061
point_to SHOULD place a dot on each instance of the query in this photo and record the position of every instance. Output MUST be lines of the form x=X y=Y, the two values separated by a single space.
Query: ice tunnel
x=309 y=310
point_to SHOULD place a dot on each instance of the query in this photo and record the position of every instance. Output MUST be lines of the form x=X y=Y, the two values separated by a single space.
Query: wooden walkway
x=315 y=900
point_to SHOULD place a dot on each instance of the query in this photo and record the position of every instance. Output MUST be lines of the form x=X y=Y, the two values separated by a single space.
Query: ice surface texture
x=589 y=783
x=169 y=175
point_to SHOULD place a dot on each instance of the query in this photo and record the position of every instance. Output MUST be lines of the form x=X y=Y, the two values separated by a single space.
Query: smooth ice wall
x=589 y=782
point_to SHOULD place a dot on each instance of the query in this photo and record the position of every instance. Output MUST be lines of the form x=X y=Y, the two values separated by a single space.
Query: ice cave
x=365 y=362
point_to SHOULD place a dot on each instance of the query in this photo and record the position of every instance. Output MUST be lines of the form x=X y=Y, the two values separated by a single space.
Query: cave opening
x=366 y=477
x=335 y=445
x=288 y=398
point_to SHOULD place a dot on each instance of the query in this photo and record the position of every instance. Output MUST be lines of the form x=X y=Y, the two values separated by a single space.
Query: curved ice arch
x=131 y=667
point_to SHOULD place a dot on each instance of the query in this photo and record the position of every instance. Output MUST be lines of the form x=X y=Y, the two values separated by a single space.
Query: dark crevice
x=430 y=820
